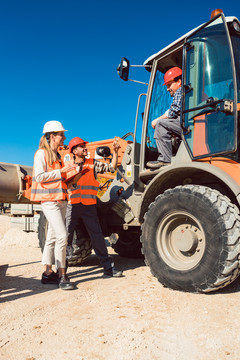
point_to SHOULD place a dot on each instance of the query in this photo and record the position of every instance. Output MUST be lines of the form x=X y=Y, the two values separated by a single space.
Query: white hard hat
x=53 y=126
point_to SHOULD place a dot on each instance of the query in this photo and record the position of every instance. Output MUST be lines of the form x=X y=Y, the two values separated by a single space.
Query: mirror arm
x=140 y=66
x=137 y=81
x=140 y=82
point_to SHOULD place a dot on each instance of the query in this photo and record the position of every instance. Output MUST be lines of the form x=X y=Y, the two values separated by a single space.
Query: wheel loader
x=183 y=217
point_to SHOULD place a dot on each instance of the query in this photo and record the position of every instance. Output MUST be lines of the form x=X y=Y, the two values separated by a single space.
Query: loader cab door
x=159 y=103
x=209 y=107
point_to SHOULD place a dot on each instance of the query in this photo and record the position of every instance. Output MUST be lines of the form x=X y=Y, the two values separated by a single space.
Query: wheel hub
x=180 y=240
x=185 y=238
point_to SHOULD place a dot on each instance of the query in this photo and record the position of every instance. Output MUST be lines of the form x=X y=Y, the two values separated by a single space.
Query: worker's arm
x=41 y=171
x=174 y=111
x=154 y=122
x=73 y=182
x=116 y=147
x=101 y=167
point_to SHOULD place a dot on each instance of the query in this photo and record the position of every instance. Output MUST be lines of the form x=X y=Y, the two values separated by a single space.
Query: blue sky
x=59 y=57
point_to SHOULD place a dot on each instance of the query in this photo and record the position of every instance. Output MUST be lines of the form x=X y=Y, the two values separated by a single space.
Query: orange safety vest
x=86 y=189
x=50 y=190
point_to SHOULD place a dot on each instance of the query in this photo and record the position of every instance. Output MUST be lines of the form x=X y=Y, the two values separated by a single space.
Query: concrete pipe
x=12 y=183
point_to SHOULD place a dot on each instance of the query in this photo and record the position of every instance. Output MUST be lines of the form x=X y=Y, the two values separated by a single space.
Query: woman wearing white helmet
x=49 y=188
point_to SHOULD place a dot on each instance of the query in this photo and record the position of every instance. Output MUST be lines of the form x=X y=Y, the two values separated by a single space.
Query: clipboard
x=69 y=178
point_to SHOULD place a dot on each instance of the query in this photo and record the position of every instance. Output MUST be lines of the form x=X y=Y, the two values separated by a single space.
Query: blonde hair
x=44 y=144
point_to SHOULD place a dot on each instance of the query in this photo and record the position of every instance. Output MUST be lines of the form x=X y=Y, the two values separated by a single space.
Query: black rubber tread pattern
x=220 y=220
x=128 y=245
x=82 y=247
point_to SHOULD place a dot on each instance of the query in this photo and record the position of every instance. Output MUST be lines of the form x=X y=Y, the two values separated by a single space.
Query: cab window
x=160 y=102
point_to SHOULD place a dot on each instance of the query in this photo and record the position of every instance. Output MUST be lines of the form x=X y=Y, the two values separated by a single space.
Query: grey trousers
x=88 y=215
x=164 y=130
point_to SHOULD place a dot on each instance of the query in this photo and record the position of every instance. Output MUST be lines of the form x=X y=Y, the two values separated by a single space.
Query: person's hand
x=73 y=182
x=116 y=145
x=68 y=168
x=154 y=123
x=70 y=184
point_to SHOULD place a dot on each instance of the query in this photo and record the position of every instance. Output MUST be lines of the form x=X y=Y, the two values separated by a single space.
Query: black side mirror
x=123 y=69
x=103 y=151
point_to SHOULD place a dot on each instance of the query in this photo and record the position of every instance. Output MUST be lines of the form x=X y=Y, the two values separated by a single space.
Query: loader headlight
x=236 y=26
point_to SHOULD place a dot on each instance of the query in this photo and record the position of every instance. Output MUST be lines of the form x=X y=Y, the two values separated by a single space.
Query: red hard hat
x=171 y=74
x=76 y=141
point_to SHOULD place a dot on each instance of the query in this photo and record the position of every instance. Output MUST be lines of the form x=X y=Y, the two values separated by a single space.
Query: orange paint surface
x=231 y=167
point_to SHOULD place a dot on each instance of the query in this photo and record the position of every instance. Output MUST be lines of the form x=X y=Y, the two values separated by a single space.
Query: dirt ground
x=131 y=318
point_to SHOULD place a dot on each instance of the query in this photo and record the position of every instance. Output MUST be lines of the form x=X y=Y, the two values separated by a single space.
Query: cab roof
x=177 y=44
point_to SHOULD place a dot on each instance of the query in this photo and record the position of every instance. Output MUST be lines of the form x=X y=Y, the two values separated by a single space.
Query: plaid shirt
x=100 y=167
x=174 y=111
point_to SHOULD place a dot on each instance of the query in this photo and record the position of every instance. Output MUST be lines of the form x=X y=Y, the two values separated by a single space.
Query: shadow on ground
x=14 y=287
x=120 y=262
x=91 y=267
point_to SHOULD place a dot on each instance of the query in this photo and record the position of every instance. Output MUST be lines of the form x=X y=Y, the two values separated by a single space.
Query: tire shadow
x=91 y=267
x=234 y=287
x=120 y=262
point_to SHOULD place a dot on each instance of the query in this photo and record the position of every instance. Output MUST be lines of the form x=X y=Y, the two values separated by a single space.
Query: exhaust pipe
x=13 y=182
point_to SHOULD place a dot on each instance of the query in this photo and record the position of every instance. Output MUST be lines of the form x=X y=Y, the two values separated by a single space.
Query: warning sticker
x=129 y=170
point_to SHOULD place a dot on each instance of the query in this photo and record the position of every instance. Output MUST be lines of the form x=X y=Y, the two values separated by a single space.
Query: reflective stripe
x=87 y=187
x=48 y=191
x=89 y=196
x=85 y=196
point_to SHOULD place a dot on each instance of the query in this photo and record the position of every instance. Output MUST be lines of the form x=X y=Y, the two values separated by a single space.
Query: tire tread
x=228 y=214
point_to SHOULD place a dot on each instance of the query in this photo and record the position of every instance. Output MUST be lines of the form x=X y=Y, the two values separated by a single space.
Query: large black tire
x=191 y=239
x=128 y=245
x=82 y=247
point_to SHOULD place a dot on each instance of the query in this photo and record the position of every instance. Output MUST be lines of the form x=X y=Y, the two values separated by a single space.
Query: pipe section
x=12 y=183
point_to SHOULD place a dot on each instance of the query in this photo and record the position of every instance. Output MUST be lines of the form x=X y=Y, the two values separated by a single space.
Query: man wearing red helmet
x=168 y=124
x=82 y=198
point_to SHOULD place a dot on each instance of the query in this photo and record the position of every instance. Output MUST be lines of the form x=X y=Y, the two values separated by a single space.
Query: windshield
x=236 y=52
x=210 y=76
